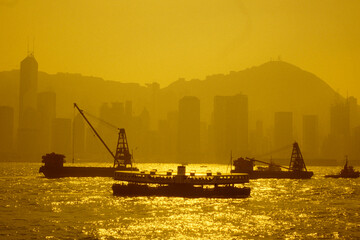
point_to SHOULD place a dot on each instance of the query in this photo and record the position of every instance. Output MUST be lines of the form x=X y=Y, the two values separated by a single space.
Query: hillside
x=272 y=86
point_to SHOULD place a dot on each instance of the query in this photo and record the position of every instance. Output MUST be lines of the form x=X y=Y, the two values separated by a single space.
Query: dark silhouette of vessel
x=182 y=184
x=296 y=169
x=346 y=172
x=54 y=163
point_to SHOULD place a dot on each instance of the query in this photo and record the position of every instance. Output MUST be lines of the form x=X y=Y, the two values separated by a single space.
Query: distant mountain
x=273 y=86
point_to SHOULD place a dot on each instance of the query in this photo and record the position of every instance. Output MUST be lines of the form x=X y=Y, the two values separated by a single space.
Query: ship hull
x=280 y=174
x=180 y=191
x=80 y=171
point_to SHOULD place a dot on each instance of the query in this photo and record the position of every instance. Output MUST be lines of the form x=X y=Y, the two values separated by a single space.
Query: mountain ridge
x=270 y=87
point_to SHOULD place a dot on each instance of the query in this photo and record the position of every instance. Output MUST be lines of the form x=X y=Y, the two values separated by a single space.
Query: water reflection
x=41 y=208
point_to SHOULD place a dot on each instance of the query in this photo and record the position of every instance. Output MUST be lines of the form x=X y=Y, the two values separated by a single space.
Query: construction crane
x=122 y=157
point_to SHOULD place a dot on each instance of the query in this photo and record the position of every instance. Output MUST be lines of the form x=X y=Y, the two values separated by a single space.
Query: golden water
x=32 y=206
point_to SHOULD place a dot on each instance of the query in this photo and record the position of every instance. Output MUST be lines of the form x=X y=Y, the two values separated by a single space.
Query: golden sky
x=162 y=40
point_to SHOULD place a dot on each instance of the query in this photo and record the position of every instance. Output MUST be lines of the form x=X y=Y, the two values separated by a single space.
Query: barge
x=296 y=170
x=54 y=163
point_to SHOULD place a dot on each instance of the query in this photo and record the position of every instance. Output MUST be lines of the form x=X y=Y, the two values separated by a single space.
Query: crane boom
x=273 y=164
x=96 y=133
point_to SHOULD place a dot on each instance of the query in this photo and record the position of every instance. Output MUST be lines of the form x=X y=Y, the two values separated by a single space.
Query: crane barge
x=296 y=169
x=54 y=163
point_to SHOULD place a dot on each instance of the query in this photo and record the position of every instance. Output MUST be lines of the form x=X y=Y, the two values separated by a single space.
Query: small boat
x=296 y=170
x=182 y=184
x=346 y=172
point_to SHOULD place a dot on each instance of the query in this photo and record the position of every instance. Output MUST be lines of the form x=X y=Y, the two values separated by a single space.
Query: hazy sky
x=162 y=40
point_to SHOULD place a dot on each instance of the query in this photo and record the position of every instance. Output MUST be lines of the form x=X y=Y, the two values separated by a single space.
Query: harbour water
x=33 y=207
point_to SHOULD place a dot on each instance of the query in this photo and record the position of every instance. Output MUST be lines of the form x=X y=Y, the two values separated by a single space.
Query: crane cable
x=101 y=120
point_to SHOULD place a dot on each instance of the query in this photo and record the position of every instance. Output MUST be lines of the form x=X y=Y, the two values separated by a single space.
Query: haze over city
x=192 y=119
x=161 y=41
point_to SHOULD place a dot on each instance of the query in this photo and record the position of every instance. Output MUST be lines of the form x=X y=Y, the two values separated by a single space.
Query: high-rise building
x=46 y=106
x=230 y=126
x=259 y=142
x=340 y=119
x=338 y=141
x=310 y=136
x=6 y=129
x=28 y=130
x=353 y=112
x=283 y=132
x=61 y=136
x=79 y=136
x=28 y=92
x=189 y=129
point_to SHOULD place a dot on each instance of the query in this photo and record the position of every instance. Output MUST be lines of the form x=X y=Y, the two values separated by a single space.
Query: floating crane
x=54 y=163
x=122 y=157
x=296 y=169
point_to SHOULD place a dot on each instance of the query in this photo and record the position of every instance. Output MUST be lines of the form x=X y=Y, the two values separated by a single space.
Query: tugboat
x=54 y=163
x=182 y=184
x=346 y=172
x=296 y=169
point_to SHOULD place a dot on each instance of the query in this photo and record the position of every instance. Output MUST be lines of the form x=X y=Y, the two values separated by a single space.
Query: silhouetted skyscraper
x=28 y=131
x=355 y=145
x=61 y=136
x=283 y=132
x=46 y=106
x=230 y=126
x=338 y=141
x=340 y=119
x=189 y=129
x=28 y=92
x=353 y=112
x=310 y=136
x=79 y=136
x=6 y=129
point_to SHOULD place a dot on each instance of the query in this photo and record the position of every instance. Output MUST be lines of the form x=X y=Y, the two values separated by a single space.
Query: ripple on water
x=84 y=208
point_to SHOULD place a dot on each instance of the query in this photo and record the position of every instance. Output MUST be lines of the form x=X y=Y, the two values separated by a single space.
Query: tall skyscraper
x=353 y=112
x=189 y=129
x=61 y=136
x=230 y=126
x=79 y=136
x=28 y=130
x=310 y=136
x=46 y=107
x=28 y=92
x=340 y=119
x=338 y=141
x=283 y=132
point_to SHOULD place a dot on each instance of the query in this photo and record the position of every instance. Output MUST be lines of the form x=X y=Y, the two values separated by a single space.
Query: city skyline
x=160 y=119
x=181 y=130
